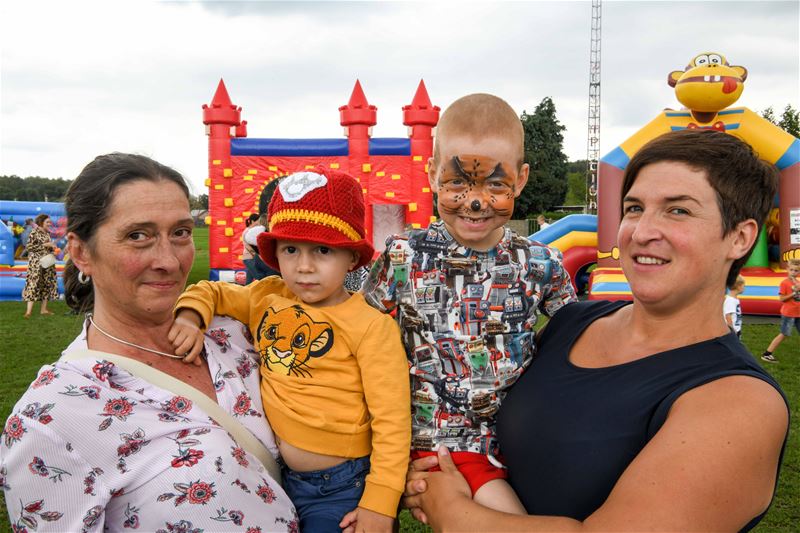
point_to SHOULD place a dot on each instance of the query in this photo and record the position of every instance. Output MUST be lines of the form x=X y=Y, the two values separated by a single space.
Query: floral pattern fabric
x=90 y=447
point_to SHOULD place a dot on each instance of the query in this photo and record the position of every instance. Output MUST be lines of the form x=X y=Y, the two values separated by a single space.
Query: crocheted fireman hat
x=323 y=206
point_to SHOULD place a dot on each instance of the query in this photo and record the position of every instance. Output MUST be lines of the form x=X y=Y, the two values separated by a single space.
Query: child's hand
x=186 y=336
x=363 y=520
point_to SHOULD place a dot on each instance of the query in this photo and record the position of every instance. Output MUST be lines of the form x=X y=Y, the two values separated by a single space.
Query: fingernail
x=443 y=451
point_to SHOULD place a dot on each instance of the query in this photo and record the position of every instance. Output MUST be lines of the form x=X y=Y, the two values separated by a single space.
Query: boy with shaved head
x=466 y=292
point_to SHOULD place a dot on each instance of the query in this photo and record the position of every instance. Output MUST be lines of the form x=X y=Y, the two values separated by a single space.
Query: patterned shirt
x=89 y=446
x=467 y=321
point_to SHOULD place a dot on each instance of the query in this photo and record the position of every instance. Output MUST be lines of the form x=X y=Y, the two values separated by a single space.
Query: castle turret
x=420 y=117
x=223 y=121
x=358 y=117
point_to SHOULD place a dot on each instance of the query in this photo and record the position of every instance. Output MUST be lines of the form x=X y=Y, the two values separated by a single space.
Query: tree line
x=554 y=181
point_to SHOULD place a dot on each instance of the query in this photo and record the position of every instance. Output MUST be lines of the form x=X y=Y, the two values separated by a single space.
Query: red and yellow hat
x=322 y=206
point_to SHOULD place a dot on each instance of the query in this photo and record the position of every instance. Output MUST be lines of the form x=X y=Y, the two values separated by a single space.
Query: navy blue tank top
x=567 y=433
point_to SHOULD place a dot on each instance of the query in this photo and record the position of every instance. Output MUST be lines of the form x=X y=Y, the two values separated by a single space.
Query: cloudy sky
x=78 y=79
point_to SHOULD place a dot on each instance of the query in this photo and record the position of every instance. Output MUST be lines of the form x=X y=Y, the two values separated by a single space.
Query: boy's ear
x=743 y=237
x=522 y=179
x=79 y=253
x=354 y=262
x=432 y=172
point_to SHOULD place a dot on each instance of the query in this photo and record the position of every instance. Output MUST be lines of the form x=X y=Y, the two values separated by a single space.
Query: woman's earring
x=83 y=279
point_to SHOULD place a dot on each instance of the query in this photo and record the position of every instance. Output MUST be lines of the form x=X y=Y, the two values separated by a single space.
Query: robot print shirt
x=467 y=322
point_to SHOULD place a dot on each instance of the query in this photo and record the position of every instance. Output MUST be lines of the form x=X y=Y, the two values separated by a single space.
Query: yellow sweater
x=334 y=380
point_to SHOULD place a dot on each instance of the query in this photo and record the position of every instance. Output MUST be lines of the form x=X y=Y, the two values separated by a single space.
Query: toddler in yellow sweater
x=334 y=375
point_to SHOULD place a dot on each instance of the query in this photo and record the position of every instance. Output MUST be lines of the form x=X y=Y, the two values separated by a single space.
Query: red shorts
x=475 y=467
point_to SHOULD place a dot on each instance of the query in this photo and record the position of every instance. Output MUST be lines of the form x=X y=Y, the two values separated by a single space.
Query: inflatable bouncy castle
x=13 y=268
x=392 y=171
x=706 y=87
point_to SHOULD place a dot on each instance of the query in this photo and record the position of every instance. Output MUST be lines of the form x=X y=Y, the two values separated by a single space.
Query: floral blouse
x=89 y=446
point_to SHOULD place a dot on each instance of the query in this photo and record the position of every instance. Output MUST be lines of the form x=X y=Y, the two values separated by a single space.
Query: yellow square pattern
x=223 y=250
x=227 y=172
x=216 y=162
x=417 y=158
x=229 y=232
x=366 y=167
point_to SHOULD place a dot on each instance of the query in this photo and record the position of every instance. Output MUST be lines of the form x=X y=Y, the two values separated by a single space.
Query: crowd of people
x=294 y=402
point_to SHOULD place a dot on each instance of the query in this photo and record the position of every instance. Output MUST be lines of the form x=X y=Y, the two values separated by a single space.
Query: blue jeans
x=323 y=497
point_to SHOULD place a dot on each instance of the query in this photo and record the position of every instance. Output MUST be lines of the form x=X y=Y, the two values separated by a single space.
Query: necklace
x=126 y=343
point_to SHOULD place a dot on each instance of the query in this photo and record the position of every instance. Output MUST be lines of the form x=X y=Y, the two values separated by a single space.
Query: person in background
x=41 y=283
x=542 y=222
x=29 y=225
x=732 y=308
x=91 y=446
x=650 y=415
x=248 y=251
x=789 y=295
x=258 y=268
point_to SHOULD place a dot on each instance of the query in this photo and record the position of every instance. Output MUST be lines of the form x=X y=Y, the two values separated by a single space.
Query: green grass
x=29 y=344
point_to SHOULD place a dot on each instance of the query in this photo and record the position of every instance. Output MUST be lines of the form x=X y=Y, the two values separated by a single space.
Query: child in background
x=467 y=291
x=732 y=309
x=789 y=294
x=334 y=382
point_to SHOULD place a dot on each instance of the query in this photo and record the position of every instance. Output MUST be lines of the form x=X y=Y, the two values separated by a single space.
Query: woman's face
x=671 y=245
x=141 y=255
x=47 y=224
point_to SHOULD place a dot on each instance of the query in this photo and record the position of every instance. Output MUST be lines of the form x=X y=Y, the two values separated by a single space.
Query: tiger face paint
x=476 y=186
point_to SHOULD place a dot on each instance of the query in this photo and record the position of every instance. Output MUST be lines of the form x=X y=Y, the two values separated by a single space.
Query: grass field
x=28 y=344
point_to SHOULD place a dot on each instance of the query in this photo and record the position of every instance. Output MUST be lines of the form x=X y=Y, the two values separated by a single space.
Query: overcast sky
x=78 y=79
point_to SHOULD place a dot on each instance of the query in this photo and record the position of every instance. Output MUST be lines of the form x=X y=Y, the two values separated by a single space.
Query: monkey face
x=709 y=83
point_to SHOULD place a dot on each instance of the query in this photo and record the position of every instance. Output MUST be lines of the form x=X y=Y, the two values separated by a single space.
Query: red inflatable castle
x=392 y=171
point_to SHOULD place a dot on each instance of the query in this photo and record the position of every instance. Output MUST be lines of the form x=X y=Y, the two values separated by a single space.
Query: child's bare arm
x=186 y=335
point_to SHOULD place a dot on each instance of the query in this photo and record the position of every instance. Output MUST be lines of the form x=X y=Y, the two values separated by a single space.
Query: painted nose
x=475 y=205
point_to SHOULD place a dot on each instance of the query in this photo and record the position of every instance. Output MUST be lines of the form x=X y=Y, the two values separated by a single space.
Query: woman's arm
x=711 y=466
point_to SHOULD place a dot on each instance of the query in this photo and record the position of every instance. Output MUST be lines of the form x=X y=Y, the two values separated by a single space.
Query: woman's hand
x=431 y=495
x=186 y=336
